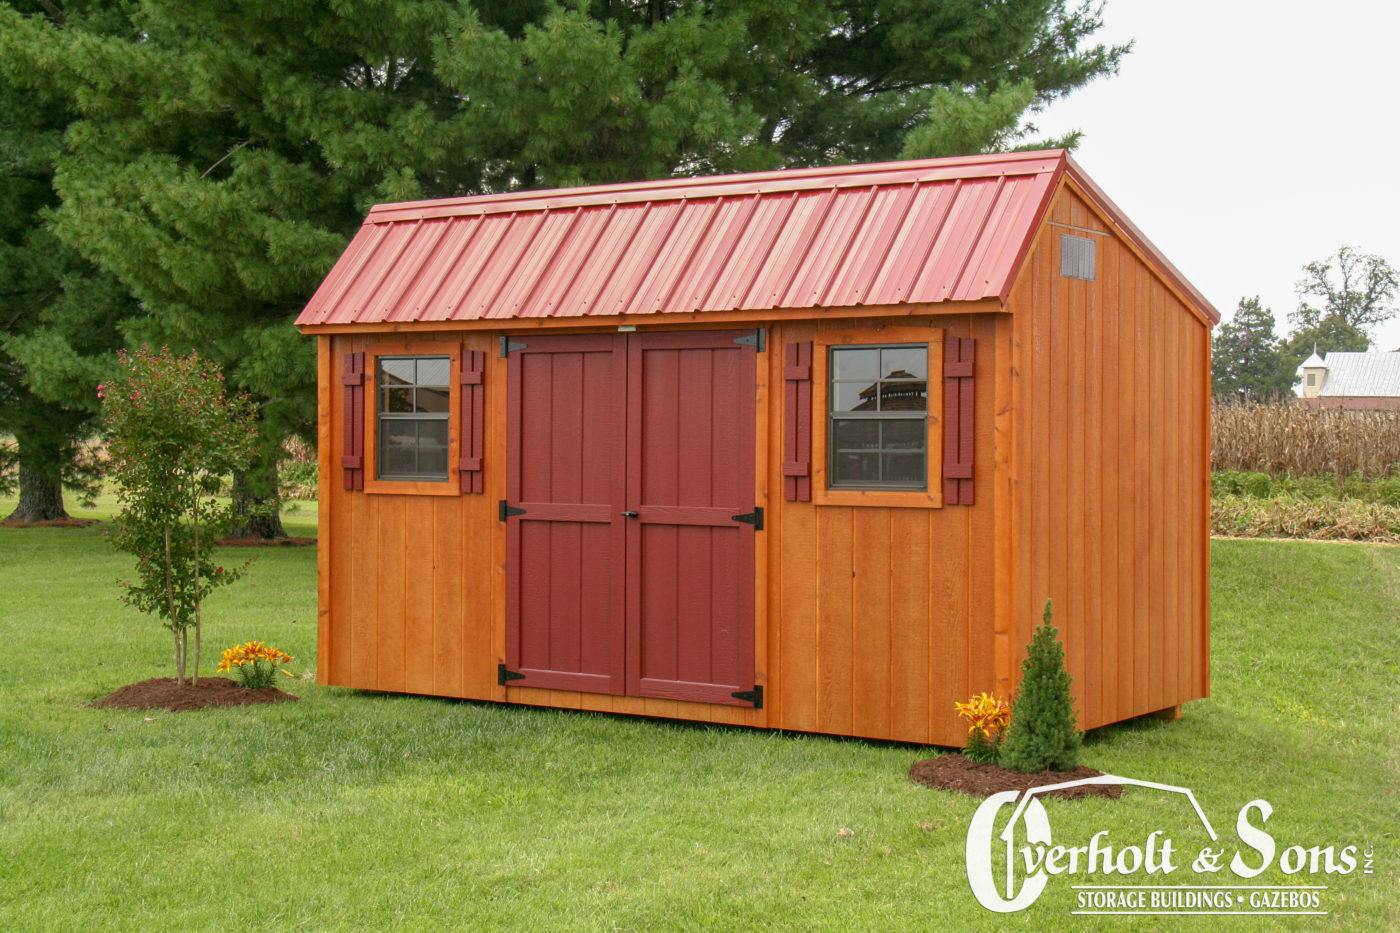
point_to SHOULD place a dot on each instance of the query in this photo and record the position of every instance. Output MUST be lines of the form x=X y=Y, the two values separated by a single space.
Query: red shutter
x=957 y=420
x=473 y=416
x=797 y=425
x=352 y=463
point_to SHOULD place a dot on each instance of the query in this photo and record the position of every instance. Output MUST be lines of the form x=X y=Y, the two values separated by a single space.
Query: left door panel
x=565 y=558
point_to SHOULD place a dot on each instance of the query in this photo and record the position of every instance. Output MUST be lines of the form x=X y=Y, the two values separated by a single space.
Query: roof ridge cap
x=684 y=188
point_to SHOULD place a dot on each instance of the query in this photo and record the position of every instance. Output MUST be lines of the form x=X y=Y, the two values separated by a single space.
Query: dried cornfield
x=1281 y=438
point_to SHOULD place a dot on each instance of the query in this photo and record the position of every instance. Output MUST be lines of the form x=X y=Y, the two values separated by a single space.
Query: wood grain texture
x=980 y=517
x=872 y=615
x=419 y=549
x=1110 y=481
x=325 y=475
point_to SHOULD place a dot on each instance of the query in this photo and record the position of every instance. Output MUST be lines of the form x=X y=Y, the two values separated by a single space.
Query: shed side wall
x=869 y=621
x=410 y=582
x=882 y=618
x=1111 y=483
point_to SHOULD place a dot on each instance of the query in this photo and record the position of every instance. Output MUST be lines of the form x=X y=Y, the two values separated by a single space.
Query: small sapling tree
x=1042 y=735
x=174 y=433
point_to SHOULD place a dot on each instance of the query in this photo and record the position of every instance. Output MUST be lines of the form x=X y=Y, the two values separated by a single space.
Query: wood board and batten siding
x=1111 y=492
x=1066 y=455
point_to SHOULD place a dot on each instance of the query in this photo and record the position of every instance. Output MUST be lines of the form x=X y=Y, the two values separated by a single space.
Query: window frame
x=374 y=483
x=823 y=493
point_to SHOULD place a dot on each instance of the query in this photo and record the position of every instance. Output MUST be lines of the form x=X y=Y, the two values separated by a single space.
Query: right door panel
x=690 y=577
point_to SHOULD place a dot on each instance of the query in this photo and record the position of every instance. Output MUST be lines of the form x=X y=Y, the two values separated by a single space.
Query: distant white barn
x=1367 y=381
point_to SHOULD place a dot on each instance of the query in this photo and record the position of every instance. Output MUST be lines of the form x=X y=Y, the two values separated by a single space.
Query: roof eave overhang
x=667 y=319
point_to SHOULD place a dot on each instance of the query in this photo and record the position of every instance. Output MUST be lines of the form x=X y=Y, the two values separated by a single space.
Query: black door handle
x=629 y=514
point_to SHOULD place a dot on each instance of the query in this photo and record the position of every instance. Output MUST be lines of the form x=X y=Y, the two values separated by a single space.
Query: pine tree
x=1246 y=357
x=58 y=313
x=223 y=153
x=1042 y=735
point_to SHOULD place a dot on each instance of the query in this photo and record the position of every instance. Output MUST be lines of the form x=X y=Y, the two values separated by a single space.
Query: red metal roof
x=887 y=234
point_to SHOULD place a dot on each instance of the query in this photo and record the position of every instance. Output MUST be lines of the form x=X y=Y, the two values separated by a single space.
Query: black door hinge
x=506 y=511
x=758 y=339
x=507 y=345
x=503 y=675
x=754 y=696
x=754 y=518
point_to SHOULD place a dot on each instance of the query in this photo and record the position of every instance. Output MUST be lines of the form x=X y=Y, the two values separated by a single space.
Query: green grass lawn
x=363 y=811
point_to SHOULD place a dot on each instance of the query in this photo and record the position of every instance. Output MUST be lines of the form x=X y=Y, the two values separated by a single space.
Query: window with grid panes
x=877 y=432
x=413 y=408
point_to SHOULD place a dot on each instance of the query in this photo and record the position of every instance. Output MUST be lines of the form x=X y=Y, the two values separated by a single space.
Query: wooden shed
x=805 y=449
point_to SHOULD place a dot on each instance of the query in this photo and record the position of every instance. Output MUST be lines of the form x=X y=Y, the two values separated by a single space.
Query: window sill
x=401 y=487
x=878 y=498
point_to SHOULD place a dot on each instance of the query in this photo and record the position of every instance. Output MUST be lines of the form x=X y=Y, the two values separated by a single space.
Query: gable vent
x=1076 y=257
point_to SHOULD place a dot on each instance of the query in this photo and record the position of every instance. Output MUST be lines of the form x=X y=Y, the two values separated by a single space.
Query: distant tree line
x=1341 y=299
x=184 y=174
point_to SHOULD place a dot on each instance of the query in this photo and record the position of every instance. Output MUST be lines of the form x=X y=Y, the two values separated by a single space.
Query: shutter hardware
x=506 y=511
x=754 y=696
x=754 y=518
x=503 y=675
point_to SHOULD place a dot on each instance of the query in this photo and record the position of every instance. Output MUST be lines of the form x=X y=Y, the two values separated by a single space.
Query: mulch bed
x=165 y=693
x=265 y=542
x=954 y=772
x=69 y=522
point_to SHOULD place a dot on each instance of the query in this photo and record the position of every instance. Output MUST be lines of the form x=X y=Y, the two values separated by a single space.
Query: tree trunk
x=40 y=495
x=256 y=501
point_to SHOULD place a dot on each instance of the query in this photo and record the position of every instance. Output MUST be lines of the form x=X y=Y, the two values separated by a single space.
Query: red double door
x=631 y=518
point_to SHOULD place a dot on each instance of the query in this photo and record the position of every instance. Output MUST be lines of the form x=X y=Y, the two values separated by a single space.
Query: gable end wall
x=1111 y=485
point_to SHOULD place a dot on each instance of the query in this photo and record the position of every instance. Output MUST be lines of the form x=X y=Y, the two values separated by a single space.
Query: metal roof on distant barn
x=887 y=234
x=1372 y=374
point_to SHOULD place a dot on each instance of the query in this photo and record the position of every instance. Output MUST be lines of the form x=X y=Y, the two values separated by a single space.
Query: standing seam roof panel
x=445 y=239
x=570 y=257
x=693 y=292
x=768 y=220
x=950 y=247
x=673 y=261
x=809 y=211
x=615 y=238
x=429 y=299
x=414 y=262
x=855 y=277
x=830 y=241
x=911 y=248
x=990 y=240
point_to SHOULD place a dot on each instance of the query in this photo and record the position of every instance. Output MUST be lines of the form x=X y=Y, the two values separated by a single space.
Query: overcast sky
x=1248 y=138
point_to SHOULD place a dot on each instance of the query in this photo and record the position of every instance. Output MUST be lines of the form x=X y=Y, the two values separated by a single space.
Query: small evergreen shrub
x=1042 y=735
